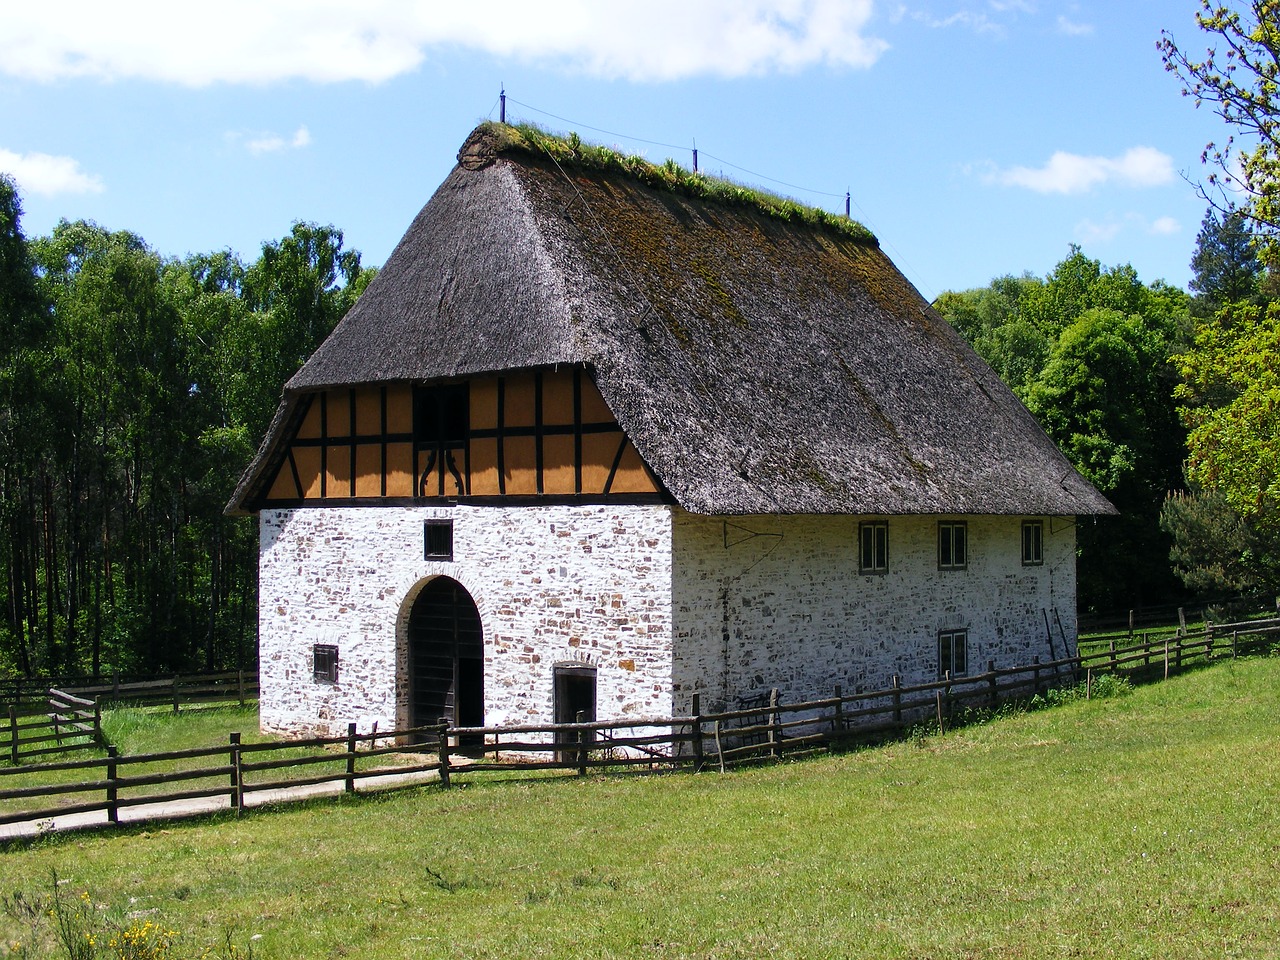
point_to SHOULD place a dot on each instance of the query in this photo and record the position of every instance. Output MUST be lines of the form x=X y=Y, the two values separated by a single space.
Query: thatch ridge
x=759 y=365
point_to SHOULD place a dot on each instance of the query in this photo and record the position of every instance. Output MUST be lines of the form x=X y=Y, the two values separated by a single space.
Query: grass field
x=1139 y=826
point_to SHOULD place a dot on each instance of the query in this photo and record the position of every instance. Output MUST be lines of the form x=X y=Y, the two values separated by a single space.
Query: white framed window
x=953 y=653
x=1032 y=543
x=873 y=546
x=953 y=545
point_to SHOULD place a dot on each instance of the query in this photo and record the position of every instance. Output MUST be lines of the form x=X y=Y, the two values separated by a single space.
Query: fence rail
x=223 y=687
x=68 y=723
x=770 y=729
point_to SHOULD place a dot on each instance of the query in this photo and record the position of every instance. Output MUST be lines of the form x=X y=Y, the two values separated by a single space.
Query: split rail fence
x=442 y=753
x=178 y=690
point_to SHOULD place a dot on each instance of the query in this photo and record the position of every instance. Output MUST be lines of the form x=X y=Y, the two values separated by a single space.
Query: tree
x=1231 y=403
x=1225 y=264
x=1087 y=349
x=1239 y=78
x=1215 y=551
x=23 y=327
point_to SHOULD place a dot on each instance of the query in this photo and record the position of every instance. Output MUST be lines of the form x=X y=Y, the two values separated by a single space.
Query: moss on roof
x=570 y=151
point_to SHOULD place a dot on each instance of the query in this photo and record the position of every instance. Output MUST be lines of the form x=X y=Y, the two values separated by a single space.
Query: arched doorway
x=446 y=656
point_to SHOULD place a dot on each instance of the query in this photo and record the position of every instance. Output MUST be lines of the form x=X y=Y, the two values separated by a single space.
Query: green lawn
x=1140 y=826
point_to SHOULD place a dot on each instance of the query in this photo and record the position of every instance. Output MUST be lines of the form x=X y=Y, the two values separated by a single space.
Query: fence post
x=115 y=687
x=1166 y=658
x=937 y=695
x=897 y=698
x=1177 y=650
x=696 y=730
x=775 y=720
x=1146 y=660
x=350 y=786
x=581 y=717
x=991 y=681
x=1235 y=636
x=1208 y=636
x=837 y=722
x=1130 y=627
x=56 y=718
x=1111 y=648
x=97 y=722
x=1088 y=684
x=175 y=693
x=240 y=685
x=444 y=752
x=13 y=735
x=237 y=775
x=113 y=797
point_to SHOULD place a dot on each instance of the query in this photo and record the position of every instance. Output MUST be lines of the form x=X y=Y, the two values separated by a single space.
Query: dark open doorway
x=446 y=656
x=575 y=692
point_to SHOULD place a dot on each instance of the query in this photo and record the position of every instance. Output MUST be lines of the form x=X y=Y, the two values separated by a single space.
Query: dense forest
x=133 y=392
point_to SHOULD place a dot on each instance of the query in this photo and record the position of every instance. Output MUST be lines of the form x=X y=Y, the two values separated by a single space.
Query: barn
x=603 y=434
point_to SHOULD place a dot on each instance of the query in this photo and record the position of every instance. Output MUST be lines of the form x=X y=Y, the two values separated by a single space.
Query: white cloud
x=48 y=175
x=272 y=142
x=263 y=41
x=1073 y=173
x=1073 y=29
x=1092 y=232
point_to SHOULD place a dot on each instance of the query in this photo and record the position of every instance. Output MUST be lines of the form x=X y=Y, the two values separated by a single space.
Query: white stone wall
x=650 y=596
x=556 y=584
x=783 y=605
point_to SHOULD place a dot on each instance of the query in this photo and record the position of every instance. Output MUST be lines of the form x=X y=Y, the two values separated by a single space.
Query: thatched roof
x=760 y=363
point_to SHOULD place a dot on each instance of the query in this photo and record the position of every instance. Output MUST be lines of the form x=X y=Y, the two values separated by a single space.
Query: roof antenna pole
x=502 y=100
x=695 y=156
x=846 y=204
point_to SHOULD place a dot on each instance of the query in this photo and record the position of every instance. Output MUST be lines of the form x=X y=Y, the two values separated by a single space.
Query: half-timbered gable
x=600 y=437
x=541 y=434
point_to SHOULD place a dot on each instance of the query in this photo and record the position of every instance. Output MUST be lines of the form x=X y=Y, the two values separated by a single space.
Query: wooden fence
x=767 y=730
x=69 y=723
x=225 y=687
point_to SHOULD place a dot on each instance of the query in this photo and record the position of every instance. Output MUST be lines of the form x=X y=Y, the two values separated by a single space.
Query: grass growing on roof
x=1140 y=826
x=572 y=151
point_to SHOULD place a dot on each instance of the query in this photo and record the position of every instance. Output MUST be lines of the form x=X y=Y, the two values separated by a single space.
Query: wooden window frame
x=324 y=663
x=953 y=545
x=949 y=642
x=873 y=546
x=437 y=539
x=1033 y=543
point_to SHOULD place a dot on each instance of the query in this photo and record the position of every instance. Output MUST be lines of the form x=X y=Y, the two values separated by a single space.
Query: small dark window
x=873 y=547
x=953 y=653
x=1032 y=543
x=324 y=663
x=953 y=546
x=438 y=540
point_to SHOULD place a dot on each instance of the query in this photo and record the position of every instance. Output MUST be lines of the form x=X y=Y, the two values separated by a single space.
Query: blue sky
x=977 y=137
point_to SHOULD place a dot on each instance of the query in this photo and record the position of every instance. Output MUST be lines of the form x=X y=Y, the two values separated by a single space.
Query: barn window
x=953 y=653
x=437 y=538
x=873 y=546
x=1032 y=543
x=953 y=545
x=324 y=663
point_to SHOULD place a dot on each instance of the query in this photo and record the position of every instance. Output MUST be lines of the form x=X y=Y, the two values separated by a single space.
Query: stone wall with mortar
x=661 y=602
x=553 y=585
x=767 y=601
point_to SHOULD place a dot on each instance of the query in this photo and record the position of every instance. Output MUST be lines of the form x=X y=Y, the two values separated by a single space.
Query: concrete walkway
x=177 y=809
